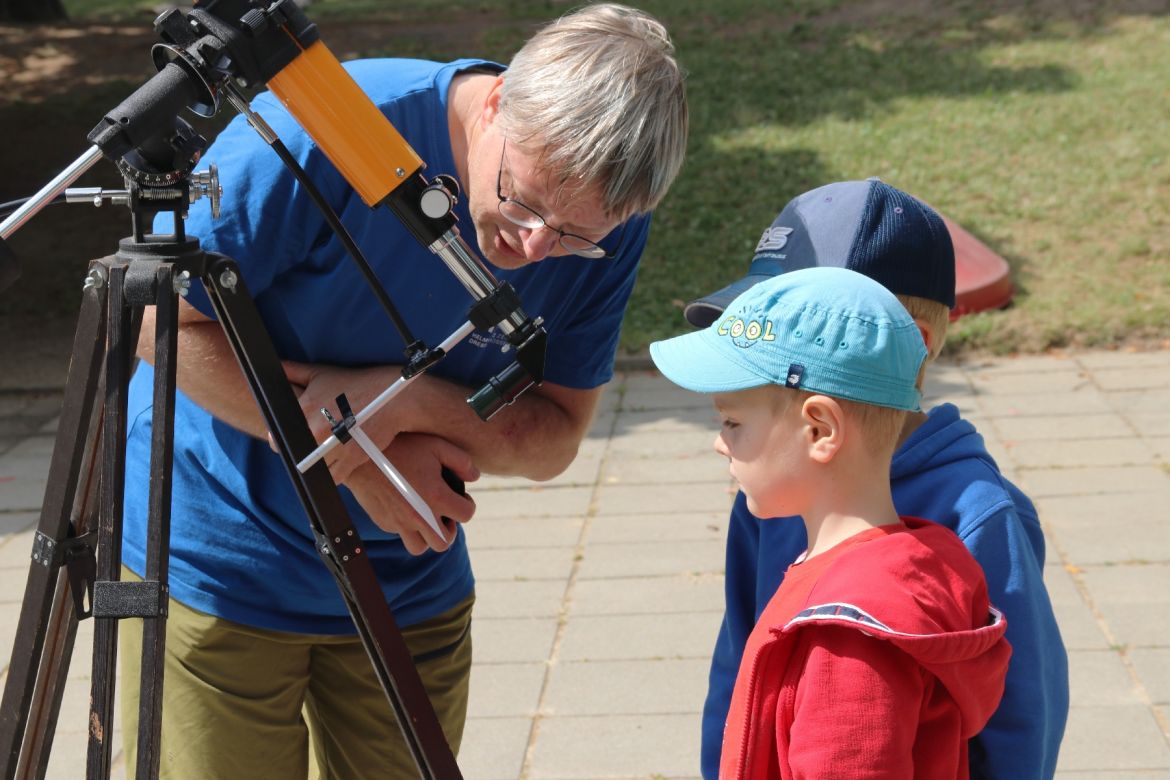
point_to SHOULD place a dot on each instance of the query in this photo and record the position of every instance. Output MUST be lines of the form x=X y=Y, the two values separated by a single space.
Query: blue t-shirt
x=241 y=545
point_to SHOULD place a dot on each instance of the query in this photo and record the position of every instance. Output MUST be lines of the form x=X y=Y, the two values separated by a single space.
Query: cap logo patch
x=795 y=374
x=746 y=333
x=774 y=238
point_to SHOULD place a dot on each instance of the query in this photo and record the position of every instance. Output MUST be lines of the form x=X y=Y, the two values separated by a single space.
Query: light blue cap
x=825 y=330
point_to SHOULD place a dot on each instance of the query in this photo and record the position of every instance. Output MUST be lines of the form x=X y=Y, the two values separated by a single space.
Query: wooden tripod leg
x=47 y=626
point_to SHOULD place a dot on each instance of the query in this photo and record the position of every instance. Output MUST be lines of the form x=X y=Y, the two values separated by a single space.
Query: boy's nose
x=719 y=446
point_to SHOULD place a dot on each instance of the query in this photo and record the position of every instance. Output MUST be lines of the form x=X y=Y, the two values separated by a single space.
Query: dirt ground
x=56 y=82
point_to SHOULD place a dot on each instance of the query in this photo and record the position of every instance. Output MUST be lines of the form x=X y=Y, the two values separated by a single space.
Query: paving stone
x=660 y=498
x=1129 y=584
x=1088 y=400
x=1124 y=359
x=485 y=533
x=23 y=472
x=533 y=501
x=1086 y=544
x=1098 y=678
x=1138 y=378
x=689 y=467
x=14 y=522
x=1151 y=664
x=1024 y=364
x=1149 y=423
x=498 y=598
x=1131 y=402
x=639 y=637
x=639 y=595
x=505 y=690
x=1060 y=585
x=1099 y=510
x=1109 y=738
x=1005 y=384
x=1135 y=624
x=645 y=393
x=664 y=528
x=946 y=383
x=512 y=640
x=494 y=748
x=628 y=560
x=1125 y=451
x=667 y=445
x=1090 y=480
x=1088 y=427
x=16 y=555
x=627 y=687
x=621 y=747
x=659 y=420
x=1110 y=774
x=540 y=563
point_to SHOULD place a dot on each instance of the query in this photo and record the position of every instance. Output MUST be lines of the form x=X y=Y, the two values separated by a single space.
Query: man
x=562 y=156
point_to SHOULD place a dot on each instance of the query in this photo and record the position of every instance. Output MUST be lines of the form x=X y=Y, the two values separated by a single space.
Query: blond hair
x=936 y=315
x=598 y=96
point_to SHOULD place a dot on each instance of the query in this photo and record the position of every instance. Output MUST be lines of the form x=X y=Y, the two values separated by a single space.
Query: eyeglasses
x=527 y=217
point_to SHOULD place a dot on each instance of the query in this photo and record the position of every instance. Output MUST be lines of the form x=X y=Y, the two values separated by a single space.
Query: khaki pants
x=243 y=702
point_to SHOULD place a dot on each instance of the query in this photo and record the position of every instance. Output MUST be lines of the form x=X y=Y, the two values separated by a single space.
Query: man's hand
x=420 y=459
x=318 y=386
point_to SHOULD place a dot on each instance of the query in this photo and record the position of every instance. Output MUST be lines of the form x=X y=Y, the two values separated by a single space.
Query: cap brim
x=693 y=363
x=701 y=312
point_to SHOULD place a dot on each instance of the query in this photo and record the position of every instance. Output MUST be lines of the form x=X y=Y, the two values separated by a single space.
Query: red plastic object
x=982 y=278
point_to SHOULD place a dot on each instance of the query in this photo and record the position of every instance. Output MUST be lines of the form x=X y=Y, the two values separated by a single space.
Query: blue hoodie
x=942 y=473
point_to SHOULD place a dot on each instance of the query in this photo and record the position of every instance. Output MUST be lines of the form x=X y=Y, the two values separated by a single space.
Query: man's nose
x=538 y=243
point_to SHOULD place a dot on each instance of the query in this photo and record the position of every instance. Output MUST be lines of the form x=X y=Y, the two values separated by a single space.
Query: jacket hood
x=924 y=593
x=944 y=437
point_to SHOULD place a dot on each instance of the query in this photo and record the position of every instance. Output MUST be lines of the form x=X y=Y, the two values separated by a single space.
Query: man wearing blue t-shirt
x=259 y=639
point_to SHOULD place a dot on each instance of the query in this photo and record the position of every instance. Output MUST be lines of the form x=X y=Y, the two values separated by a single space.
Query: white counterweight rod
x=396 y=478
x=327 y=446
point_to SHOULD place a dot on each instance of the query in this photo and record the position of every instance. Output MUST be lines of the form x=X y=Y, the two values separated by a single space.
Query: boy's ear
x=928 y=334
x=824 y=421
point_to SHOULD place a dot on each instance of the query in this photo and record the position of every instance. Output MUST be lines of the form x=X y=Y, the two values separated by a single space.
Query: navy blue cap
x=864 y=226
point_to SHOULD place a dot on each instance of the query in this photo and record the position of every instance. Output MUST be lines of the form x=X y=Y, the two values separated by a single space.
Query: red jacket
x=879 y=658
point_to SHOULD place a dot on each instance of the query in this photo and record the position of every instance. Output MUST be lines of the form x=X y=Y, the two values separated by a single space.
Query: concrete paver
x=600 y=591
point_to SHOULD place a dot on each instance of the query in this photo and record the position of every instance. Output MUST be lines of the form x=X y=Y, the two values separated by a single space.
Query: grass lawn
x=1041 y=126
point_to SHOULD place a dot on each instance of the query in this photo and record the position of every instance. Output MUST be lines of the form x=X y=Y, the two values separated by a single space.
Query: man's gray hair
x=599 y=97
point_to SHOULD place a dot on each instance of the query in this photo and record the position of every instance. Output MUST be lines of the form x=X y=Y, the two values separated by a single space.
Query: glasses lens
x=582 y=247
x=519 y=214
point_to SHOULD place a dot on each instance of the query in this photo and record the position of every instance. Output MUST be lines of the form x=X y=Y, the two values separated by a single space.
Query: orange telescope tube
x=356 y=137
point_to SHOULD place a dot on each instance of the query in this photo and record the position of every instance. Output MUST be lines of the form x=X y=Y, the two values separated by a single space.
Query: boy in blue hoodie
x=941 y=470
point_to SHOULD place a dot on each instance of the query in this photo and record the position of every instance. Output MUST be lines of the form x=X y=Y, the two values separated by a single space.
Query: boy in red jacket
x=879 y=656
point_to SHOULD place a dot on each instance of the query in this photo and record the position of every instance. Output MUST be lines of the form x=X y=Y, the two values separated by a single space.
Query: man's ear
x=491 y=104
x=824 y=422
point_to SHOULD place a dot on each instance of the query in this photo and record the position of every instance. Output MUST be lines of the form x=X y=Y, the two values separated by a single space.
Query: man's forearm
x=208 y=373
x=535 y=437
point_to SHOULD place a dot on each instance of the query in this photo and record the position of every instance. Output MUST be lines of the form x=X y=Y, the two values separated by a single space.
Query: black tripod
x=79 y=532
